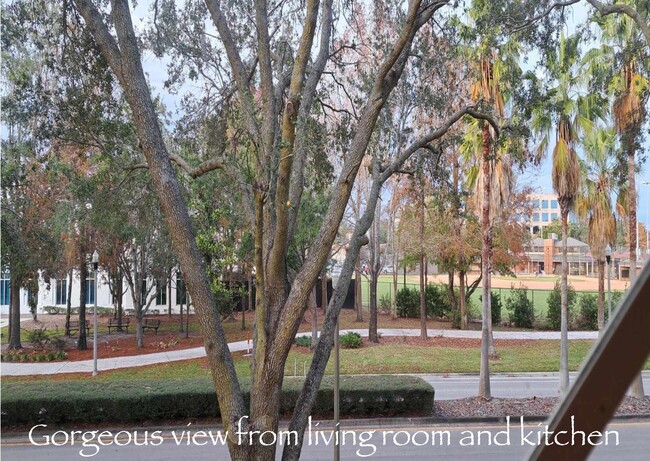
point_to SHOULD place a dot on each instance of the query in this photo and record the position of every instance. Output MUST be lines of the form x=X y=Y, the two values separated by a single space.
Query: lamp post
x=608 y=256
x=95 y=264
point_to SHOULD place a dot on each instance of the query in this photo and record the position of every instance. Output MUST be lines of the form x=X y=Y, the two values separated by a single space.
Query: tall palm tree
x=595 y=203
x=630 y=89
x=493 y=181
x=567 y=113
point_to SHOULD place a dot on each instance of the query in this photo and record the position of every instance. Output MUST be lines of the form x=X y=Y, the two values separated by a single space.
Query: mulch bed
x=474 y=407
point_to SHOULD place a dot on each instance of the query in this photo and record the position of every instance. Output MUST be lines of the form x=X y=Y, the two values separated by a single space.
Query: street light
x=608 y=256
x=95 y=264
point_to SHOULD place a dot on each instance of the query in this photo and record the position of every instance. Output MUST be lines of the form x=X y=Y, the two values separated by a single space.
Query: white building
x=57 y=294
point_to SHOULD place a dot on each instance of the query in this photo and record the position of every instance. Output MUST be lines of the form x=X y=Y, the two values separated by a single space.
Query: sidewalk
x=86 y=366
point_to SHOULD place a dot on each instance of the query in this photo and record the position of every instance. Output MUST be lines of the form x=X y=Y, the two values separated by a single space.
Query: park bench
x=112 y=324
x=150 y=324
x=73 y=325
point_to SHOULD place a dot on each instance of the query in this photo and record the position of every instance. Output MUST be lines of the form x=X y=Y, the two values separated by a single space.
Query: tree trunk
x=491 y=349
x=358 y=295
x=375 y=268
x=314 y=317
x=484 y=377
x=83 y=275
x=601 y=296
x=423 y=305
x=564 y=320
x=373 y=336
x=68 y=308
x=14 y=315
x=169 y=296
x=636 y=388
x=463 y=304
x=394 y=300
x=139 y=332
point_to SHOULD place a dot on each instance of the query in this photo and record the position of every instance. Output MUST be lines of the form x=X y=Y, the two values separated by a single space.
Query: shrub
x=130 y=401
x=588 y=306
x=554 y=303
x=522 y=314
x=350 y=340
x=385 y=303
x=57 y=343
x=51 y=310
x=39 y=338
x=495 y=300
x=303 y=341
x=408 y=302
x=437 y=301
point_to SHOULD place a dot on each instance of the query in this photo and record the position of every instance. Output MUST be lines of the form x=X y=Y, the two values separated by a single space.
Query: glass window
x=554 y=216
x=544 y=203
x=554 y=204
x=535 y=203
x=181 y=294
x=143 y=292
x=161 y=293
x=4 y=289
x=61 y=292
x=535 y=217
x=544 y=217
x=90 y=290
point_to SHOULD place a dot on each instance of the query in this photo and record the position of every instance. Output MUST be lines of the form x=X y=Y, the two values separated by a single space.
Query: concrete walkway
x=86 y=366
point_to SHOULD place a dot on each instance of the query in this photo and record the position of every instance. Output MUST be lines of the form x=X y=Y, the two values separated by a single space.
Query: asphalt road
x=517 y=385
x=401 y=443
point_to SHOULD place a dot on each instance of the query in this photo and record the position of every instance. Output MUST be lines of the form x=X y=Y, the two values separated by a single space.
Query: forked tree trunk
x=564 y=300
x=601 y=296
x=484 y=376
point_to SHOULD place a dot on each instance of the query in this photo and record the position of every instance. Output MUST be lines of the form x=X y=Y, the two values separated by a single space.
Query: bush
x=51 y=310
x=131 y=401
x=522 y=314
x=385 y=303
x=408 y=302
x=350 y=340
x=39 y=338
x=303 y=341
x=437 y=301
x=495 y=300
x=588 y=306
x=554 y=303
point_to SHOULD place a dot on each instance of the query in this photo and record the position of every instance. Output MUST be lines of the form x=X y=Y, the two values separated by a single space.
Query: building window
x=554 y=216
x=544 y=217
x=4 y=289
x=535 y=203
x=161 y=293
x=61 y=292
x=554 y=204
x=181 y=294
x=544 y=204
x=90 y=290
x=535 y=217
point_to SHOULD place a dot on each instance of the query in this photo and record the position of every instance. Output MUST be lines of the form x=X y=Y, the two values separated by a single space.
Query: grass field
x=531 y=356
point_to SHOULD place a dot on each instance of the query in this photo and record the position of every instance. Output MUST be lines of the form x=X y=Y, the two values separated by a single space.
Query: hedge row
x=26 y=404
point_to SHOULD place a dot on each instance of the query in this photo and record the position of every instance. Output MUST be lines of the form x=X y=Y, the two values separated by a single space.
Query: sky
x=537 y=177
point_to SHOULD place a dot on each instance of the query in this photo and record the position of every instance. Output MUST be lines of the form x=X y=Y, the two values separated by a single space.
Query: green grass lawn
x=531 y=356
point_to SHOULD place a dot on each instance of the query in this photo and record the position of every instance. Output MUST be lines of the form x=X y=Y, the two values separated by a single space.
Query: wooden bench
x=73 y=326
x=112 y=324
x=150 y=324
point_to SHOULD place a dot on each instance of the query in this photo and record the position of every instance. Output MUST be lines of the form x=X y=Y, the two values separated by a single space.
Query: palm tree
x=629 y=110
x=568 y=114
x=493 y=181
x=595 y=203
